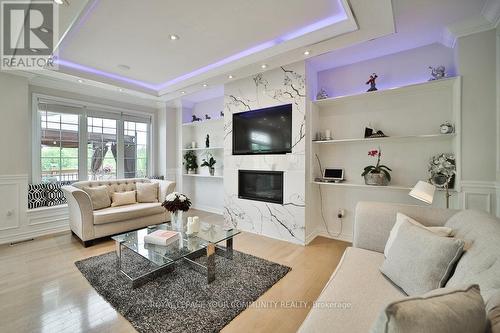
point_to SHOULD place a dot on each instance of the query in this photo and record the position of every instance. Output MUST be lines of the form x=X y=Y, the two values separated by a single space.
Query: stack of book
x=161 y=237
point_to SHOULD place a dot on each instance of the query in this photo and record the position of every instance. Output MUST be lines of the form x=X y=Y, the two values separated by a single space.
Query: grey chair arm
x=81 y=217
x=373 y=221
x=166 y=187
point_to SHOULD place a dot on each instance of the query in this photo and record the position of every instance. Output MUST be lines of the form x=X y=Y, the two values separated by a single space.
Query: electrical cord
x=321 y=206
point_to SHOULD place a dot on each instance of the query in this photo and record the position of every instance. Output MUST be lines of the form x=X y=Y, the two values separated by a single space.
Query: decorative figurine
x=372 y=82
x=446 y=128
x=195 y=118
x=322 y=94
x=222 y=113
x=207 y=117
x=437 y=73
x=207 y=142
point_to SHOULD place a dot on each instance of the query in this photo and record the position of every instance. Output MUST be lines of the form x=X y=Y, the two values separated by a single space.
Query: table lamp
x=423 y=191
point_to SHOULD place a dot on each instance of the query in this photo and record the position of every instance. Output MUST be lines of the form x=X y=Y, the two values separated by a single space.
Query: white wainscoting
x=480 y=195
x=17 y=223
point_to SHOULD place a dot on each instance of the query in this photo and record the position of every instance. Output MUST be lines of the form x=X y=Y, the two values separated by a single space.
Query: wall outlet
x=340 y=213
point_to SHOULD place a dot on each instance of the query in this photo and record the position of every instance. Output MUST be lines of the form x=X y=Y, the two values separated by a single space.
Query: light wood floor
x=41 y=290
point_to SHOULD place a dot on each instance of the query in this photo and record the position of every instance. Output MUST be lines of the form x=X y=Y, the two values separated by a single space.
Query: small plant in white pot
x=377 y=175
x=210 y=164
x=190 y=162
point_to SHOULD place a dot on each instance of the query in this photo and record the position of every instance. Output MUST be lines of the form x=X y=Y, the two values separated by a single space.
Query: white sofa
x=357 y=291
x=89 y=224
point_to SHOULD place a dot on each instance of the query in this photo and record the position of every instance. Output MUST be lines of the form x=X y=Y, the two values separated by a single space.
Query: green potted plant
x=191 y=162
x=210 y=164
x=376 y=174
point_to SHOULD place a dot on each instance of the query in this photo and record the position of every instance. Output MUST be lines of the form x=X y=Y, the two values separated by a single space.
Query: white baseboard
x=342 y=237
x=209 y=209
x=34 y=234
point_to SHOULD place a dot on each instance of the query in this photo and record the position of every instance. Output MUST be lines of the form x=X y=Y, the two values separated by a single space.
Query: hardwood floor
x=41 y=290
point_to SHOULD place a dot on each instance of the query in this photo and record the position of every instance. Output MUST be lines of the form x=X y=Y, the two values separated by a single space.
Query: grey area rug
x=182 y=301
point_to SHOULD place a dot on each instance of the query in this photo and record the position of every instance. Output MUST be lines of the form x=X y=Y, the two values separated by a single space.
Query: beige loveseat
x=89 y=224
x=357 y=291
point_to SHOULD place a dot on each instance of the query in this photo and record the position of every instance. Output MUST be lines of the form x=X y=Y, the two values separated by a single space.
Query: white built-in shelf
x=202 y=149
x=203 y=122
x=371 y=94
x=390 y=138
x=202 y=176
x=364 y=186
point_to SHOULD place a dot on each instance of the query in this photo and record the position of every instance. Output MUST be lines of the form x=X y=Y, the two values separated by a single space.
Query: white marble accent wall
x=280 y=86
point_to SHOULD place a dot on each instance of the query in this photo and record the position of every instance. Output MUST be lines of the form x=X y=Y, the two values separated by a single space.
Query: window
x=59 y=146
x=78 y=142
x=136 y=149
x=101 y=148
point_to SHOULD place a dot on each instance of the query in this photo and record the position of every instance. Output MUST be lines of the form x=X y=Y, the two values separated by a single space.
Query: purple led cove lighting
x=98 y=72
x=289 y=36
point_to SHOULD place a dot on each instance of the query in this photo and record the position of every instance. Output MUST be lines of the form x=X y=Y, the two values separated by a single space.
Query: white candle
x=190 y=227
x=196 y=224
x=327 y=134
x=193 y=144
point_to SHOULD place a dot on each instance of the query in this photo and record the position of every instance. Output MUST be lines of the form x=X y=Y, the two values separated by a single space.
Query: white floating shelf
x=390 y=138
x=203 y=122
x=196 y=149
x=364 y=186
x=202 y=176
x=341 y=99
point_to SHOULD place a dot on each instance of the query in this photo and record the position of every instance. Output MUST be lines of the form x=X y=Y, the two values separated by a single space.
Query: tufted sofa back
x=480 y=262
x=117 y=185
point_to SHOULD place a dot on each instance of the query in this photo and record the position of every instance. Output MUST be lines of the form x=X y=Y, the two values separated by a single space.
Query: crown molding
x=491 y=11
x=487 y=20
x=464 y=28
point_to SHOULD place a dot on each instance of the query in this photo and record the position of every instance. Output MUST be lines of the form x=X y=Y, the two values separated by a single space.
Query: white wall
x=476 y=60
x=15 y=126
x=395 y=70
x=212 y=107
x=166 y=147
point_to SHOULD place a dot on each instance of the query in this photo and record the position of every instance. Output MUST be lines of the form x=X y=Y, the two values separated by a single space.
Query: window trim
x=88 y=109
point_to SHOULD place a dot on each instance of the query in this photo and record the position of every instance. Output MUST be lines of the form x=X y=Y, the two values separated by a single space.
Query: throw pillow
x=99 y=196
x=493 y=310
x=37 y=196
x=55 y=195
x=147 y=192
x=445 y=310
x=123 y=198
x=440 y=231
x=419 y=260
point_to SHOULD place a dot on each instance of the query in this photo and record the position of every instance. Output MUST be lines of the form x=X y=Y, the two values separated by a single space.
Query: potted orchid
x=176 y=203
x=376 y=174
x=209 y=162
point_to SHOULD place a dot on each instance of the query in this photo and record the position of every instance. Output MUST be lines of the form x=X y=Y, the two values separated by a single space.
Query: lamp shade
x=423 y=191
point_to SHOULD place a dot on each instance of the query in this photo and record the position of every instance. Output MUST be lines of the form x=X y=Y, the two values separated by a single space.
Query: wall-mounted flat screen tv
x=263 y=131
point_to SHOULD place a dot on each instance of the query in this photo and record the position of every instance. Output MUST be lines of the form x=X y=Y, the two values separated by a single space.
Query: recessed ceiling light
x=307 y=52
x=174 y=37
x=230 y=77
x=263 y=66
x=124 y=67
x=120 y=89
x=183 y=92
x=205 y=85
x=59 y=2
x=45 y=30
x=80 y=81
x=34 y=50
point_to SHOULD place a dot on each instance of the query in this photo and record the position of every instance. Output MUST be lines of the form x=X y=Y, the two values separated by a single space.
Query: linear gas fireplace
x=261 y=185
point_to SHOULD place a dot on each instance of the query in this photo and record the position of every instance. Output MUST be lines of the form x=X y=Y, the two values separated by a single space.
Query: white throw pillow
x=147 y=192
x=400 y=217
x=123 y=198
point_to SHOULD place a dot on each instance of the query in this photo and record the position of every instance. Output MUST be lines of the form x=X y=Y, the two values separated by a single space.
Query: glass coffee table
x=188 y=248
